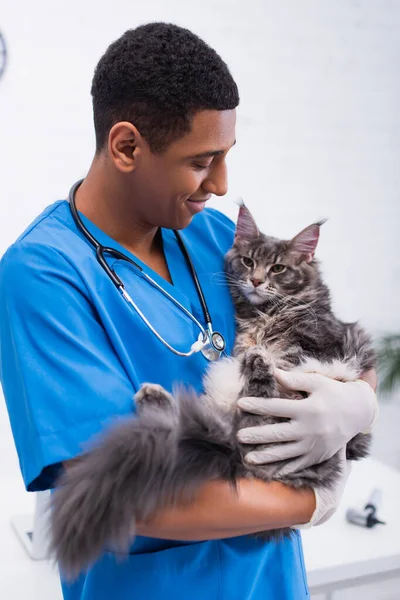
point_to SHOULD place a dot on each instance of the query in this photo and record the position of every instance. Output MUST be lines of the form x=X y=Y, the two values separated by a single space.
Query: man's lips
x=199 y=200
x=196 y=206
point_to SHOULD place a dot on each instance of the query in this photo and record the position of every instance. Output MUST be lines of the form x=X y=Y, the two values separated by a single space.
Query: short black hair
x=157 y=77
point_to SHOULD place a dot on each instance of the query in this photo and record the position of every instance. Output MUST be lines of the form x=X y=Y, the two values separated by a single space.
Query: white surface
x=20 y=577
x=32 y=529
x=340 y=551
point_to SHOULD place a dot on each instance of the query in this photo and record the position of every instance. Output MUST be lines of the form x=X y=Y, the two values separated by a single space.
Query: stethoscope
x=210 y=343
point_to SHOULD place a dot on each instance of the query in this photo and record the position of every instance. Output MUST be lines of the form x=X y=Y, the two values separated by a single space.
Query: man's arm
x=220 y=512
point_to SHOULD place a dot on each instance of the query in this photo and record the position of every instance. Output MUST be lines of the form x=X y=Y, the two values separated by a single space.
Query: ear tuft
x=322 y=222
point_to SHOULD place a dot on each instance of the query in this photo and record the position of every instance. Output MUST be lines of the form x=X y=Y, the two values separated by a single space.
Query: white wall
x=318 y=134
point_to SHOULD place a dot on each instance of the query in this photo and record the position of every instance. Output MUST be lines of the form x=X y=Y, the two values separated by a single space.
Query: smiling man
x=73 y=352
x=155 y=189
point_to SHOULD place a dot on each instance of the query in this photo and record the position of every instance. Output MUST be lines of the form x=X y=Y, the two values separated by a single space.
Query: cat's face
x=264 y=269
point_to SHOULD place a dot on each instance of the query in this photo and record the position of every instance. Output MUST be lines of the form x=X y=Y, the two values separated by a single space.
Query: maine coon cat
x=177 y=442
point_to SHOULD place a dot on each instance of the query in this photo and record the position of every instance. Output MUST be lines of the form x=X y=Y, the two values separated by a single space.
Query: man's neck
x=101 y=200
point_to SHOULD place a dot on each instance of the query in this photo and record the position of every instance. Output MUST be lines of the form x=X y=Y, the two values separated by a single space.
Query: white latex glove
x=328 y=500
x=320 y=425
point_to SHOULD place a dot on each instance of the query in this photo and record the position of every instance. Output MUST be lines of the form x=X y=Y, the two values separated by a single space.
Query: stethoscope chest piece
x=214 y=345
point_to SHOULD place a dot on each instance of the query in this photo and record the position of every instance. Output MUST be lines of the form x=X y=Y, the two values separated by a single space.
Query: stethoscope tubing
x=100 y=250
x=155 y=332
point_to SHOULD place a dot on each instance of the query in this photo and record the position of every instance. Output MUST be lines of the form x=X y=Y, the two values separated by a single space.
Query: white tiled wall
x=318 y=135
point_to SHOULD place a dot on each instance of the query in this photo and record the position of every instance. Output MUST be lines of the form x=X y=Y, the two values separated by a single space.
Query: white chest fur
x=223 y=382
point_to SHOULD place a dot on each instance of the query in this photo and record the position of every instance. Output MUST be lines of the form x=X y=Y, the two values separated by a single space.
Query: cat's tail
x=207 y=444
x=142 y=465
x=123 y=479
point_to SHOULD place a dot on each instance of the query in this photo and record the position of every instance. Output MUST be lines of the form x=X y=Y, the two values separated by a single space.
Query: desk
x=341 y=555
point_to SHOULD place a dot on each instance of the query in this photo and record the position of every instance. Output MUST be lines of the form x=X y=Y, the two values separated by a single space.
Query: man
x=73 y=352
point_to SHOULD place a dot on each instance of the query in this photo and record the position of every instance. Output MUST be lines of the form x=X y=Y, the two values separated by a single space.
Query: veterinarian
x=74 y=350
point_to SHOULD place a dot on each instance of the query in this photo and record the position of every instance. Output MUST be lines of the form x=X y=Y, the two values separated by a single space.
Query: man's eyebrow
x=210 y=153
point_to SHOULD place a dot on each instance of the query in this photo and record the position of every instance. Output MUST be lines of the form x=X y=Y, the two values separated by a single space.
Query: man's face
x=170 y=188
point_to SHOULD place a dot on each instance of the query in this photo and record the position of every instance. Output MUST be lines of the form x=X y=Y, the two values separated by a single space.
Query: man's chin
x=183 y=223
x=178 y=221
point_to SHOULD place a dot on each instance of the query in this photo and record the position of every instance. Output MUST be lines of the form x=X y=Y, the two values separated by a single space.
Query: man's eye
x=278 y=268
x=247 y=261
x=200 y=167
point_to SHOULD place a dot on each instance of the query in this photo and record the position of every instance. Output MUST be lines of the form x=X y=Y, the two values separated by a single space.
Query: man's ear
x=124 y=146
x=306 y=241
x=246 y=228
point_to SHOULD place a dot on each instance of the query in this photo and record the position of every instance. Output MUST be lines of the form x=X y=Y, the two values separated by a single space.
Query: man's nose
x=256 y=282
x=217 y=182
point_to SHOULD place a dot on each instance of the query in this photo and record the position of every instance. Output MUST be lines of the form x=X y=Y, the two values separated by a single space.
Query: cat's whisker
x=221 y=278
x=308 y=309
x=298 y=304
x=220 y=275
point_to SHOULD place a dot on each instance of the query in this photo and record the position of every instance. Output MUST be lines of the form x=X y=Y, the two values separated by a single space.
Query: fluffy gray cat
x=177 y=442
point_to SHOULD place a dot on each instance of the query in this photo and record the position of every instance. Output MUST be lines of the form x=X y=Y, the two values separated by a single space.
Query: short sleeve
x=62 y=380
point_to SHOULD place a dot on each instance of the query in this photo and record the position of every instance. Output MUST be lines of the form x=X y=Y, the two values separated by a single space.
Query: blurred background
x=318 y=136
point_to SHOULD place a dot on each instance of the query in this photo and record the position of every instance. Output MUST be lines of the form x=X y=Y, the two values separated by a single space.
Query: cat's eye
x=247 y=261
x=278 y=268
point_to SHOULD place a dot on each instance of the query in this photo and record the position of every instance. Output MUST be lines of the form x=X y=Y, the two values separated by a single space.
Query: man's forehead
x=209 y=153
x=212 y=133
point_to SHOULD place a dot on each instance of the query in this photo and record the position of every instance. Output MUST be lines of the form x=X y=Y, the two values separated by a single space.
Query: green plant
x=389 y=362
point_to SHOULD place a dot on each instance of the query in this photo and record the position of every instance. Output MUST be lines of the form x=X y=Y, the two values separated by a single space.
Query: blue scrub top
x=72 y=355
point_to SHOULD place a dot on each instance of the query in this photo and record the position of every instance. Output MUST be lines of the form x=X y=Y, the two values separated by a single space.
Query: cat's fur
x=177 y=442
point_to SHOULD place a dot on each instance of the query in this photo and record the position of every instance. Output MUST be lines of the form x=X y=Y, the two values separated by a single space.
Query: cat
x=179 y=441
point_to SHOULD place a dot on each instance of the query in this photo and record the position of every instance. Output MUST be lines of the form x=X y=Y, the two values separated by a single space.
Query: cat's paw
x=152 y=393
x=256 y=362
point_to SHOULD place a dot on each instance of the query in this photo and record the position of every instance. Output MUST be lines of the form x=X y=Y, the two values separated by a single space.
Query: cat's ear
x=246 y=228
x=306 y=241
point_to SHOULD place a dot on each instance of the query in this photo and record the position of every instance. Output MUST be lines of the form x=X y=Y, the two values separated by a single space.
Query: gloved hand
x=328 y=500
x=320 y=425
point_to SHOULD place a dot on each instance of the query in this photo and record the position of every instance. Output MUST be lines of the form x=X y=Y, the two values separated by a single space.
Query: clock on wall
x=3 y=55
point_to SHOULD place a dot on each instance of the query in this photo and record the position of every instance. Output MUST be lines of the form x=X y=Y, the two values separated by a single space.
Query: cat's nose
x=256 y=282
